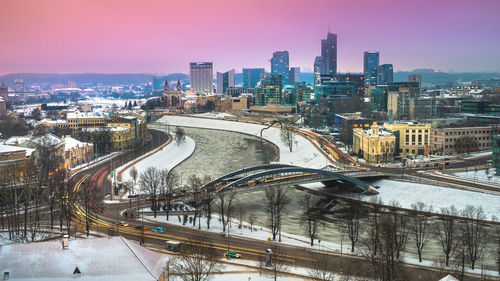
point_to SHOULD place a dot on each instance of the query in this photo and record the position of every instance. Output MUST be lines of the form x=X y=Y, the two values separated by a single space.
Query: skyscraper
x=224 y=81
x=201 y=76
x=329 y=51
x=385 y=74
x=251 y=76
x=370 y=68
x=321 y=69
x=294 y=75
x=279 y=65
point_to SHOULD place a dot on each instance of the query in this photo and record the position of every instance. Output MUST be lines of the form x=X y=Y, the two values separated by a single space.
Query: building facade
x=370 y=68
x=496 y=154
x=329 y=52
x=225 y=80
x=411 y=138
x=269 y=91
x=252 y=76
x=357 y=79
x=294 y=75
x=415 y=78
x=374 y=145
x=280 y=63
x=401 y=100
x=201 y=77
x=447 y=141
x=385 y=74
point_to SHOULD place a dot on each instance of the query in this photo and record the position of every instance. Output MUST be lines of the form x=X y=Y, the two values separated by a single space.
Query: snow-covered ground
x=167 y=158
x=303 y=154
x=407 y=193
x=214 y=115
x=480 y=175
x=258 y=232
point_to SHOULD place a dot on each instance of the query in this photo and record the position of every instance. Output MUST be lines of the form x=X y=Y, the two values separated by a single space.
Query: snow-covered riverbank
x=167 y=158
x=303 y=154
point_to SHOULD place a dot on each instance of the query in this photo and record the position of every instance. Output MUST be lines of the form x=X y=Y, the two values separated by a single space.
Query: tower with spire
x=173 y=96
x=4 y=91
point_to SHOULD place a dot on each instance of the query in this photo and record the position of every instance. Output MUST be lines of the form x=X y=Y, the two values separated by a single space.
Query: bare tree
x=323 y=269
x=168 y=182
x=445 y=231
x=310 y=218
x=252 y=218
x=276 y=201
x=400 y=228
x=195 y=183
x=420 y=226
x=496 y=252
x=374 y=221
x=352 y=222
x=196 y=262
x=133 y=174
x=150 y=181
x=280 y=264
x=474 y=232
x=241 y=214
x=225 y=204
x=180 y=136
x=287 y=135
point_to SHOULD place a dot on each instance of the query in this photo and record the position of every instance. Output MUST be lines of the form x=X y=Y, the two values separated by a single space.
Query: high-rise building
x=294 y=75
x=370 y=68
x=321 y=70
x=279 y=65
x=358 y=79
x=251 y=76
x=269 y=91
x=385 y=74
x=224 y=81
x=201 y=76
x=329 y=51
x=401 y=100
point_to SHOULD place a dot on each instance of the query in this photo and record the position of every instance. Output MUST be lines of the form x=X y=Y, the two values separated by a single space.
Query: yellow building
x=413 y=138
x=79 y=120
x=374 y=145
x=13 y=162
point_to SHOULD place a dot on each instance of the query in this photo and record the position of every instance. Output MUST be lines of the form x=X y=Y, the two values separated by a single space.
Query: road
x=104 y=219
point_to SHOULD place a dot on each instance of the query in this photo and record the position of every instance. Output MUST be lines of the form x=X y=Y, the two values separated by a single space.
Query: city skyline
x=157 y=37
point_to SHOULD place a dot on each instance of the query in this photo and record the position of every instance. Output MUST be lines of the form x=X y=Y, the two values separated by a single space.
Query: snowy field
x=407 y=193
x=480 y=175
x=167 y=158
x=304 y=153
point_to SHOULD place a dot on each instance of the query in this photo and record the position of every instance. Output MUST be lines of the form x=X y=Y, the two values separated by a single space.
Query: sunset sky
x=163 y=36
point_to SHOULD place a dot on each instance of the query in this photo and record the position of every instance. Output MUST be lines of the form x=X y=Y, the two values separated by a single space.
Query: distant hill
x=88 y=78
x=446 y=77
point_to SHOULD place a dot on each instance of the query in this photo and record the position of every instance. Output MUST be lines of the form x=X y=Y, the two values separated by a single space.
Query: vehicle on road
x=158 y=229
x=231 y=255
x=122 y=223
x=140 y=227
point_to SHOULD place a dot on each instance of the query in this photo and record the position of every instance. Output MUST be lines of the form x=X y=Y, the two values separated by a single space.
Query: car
x=140 y=227
x=231 y=255
x=158 y=229
x=122 y=224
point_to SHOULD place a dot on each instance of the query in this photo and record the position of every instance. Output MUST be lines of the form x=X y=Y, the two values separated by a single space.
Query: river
x=220 y=152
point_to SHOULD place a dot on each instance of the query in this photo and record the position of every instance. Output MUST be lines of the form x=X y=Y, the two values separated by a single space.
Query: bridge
x=263 y=176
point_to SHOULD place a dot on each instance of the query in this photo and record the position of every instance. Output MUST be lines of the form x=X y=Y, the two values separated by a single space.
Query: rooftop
x=109 y=258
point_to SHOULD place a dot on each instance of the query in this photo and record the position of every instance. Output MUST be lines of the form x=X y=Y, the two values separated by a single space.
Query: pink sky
x=163 y=36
